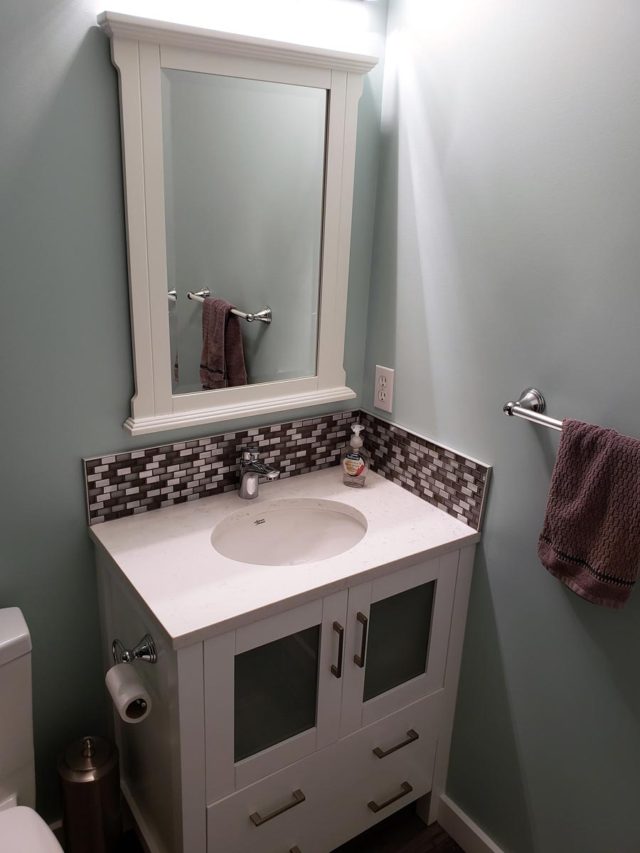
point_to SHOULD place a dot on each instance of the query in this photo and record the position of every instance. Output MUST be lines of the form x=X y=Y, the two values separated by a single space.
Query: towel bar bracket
x=530 y=399
x=531 y=406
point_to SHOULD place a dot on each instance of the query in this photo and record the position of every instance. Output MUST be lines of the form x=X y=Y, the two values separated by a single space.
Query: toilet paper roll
x=128 y=693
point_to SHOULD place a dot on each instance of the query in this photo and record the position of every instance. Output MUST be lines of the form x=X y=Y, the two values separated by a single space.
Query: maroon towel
x=222 y=359
x=591 y=535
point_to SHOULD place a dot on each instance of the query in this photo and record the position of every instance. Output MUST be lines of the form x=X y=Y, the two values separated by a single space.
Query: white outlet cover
x=383 y=388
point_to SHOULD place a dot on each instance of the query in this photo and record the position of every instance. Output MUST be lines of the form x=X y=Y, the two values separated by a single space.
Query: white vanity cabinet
x=302 y=729
x=322 y=720
x=293 y=707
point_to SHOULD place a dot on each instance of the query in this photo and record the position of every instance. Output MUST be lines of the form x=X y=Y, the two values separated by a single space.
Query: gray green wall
x=64 y=337
x=507 y=255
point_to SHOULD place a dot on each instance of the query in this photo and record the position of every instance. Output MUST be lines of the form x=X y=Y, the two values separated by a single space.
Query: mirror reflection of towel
x=222 y=360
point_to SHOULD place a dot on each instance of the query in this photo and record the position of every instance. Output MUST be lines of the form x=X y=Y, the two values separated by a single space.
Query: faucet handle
x=250 y=454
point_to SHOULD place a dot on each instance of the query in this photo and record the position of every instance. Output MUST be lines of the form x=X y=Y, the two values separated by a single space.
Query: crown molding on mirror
x=140 y=50
x=199 y=38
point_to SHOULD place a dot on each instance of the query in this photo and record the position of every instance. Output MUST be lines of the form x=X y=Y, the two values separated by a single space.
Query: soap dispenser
x=355 y=460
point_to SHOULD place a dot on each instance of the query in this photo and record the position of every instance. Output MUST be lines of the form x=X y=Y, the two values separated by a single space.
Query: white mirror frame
x=140 y=49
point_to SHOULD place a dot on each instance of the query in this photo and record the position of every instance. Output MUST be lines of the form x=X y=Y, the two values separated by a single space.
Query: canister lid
x=14 y=635
x=87 y=759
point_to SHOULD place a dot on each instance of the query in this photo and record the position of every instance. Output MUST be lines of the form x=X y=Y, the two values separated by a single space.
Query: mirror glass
x=244 y=181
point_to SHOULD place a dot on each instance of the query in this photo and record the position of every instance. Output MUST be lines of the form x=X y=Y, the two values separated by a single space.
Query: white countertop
x=194 y=592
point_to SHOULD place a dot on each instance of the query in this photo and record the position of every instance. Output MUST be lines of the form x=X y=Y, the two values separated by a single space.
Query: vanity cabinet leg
x=422 y=808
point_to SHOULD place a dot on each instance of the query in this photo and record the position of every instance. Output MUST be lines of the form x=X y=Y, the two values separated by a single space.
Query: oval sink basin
x=289 y=532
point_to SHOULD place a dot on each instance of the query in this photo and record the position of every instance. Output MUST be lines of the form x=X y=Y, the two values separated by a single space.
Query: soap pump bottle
x=355 y=460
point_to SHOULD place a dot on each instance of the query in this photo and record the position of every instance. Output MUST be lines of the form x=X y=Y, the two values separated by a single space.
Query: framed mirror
x=238 y=159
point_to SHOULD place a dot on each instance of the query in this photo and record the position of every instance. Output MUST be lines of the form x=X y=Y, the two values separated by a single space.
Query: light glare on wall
x=449 y=22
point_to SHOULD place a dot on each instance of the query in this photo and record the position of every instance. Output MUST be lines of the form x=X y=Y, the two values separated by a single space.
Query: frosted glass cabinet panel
x=276 y=691
x=273 y=692
x=398 y=640
x=399 y=628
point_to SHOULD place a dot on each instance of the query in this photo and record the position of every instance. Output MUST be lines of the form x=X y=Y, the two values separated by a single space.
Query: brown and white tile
x=138 y=481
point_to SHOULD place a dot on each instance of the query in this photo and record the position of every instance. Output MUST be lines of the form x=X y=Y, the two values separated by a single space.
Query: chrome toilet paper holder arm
x=145 y=650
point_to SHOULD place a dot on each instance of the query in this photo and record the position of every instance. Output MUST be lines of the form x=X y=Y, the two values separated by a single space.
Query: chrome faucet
x=251 y=469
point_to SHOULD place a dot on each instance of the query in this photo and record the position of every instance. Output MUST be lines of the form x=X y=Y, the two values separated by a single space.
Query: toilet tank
x=17 y=774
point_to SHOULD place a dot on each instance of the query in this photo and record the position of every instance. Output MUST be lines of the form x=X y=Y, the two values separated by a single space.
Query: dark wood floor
x=403 y=832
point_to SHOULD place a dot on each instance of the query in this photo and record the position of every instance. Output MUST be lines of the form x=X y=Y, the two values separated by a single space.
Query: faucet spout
x=251 y=469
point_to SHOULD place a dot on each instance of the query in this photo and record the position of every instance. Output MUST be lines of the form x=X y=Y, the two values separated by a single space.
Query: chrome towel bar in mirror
x=264 y=315
x=530 y=406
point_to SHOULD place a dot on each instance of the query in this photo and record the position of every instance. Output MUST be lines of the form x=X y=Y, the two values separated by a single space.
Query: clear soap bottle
x=355 y=459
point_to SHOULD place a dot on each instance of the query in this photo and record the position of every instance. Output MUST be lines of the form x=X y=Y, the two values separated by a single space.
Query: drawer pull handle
x=376 y=807
x=359 y=659
x=295 y=850
x=412 y=735
x=337 y=670
x=257 y=819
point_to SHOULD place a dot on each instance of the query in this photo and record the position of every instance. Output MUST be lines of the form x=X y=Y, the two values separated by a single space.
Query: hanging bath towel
x=591 y=535
x=222 y=360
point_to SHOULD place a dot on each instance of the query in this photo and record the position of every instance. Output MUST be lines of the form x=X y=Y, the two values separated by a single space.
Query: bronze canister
x=90 y=779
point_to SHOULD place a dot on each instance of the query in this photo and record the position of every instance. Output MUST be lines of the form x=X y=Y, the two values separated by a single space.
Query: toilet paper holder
x=145 y=650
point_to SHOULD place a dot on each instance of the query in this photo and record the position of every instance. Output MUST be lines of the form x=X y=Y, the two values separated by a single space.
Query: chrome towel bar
x=530 y=406
x=264 y=315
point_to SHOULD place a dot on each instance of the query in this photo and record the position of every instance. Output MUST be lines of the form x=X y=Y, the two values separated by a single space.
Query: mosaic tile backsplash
x=448 y=480
x=121 y=484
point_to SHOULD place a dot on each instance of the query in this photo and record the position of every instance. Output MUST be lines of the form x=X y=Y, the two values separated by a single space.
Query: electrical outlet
x=383 y=389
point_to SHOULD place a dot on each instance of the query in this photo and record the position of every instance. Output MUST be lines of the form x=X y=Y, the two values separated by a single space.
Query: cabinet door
x=272 y=693
x=397 y=639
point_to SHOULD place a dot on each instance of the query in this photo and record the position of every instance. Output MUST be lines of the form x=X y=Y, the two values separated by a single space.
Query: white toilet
x=21 y=829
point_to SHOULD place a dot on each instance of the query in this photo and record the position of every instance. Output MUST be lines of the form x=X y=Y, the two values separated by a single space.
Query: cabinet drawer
x=271 y=816
x=384 y=767
x=389 y=764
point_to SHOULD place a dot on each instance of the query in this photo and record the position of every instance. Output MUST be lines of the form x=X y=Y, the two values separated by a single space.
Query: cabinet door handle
x=337 y=670
x=359 y=659
x=257 y=819
x=376 y=807
x=412 y=735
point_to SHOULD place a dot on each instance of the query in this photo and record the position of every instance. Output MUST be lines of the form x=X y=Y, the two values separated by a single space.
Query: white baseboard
x=463 y=830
